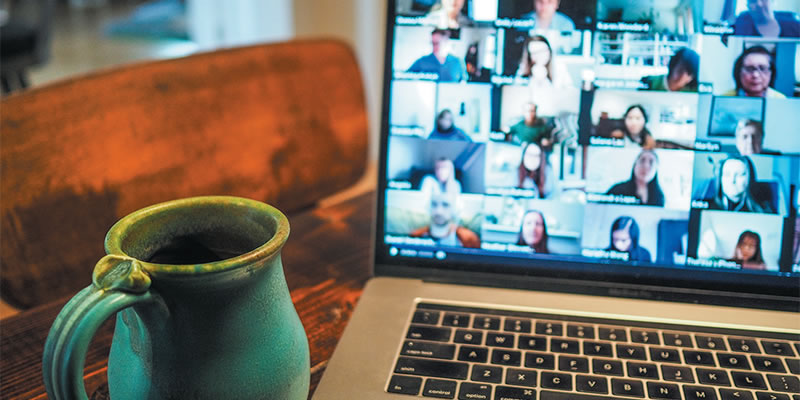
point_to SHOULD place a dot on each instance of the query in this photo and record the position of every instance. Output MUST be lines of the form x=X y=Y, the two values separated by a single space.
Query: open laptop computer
x=595 y=203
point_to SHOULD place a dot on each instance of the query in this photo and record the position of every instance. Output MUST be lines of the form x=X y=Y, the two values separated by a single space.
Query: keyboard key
x=735 y=394
x=658 y=390
x=710 y=342
x=473 y=354
x=794 y=365
x=642 y=370
x=474 y=391
x=734 y=361
x=506 y=357
x=517 y=325
x=426 y=317
x=404 y=385
x=580 y=331
x=712 y=377
x=591 y=384
x=615 y=334
x=540 y=361
x=777 y=348
x=532 y=343
x=426 y=349
x=748 y=380
x=421 y=332
x=597 y=349
x=784 y=383
x=772 y=396
x=500 y=340
x=439 y=388
x=677 y=339
x=550 y=328
x=512 y=393
x=627 y=387
x=564 y=346
x=662 y=354
x=434 y=368
x=547 y=395
x=484 y=322
x=797 y=347
x=485 y=373
x=468 y=337
x=767 y=364
x=573 y=364
x=631 y=352
x=699 y=393
x=677 y=374
x=555 y=380
x=457 y=320
x=521 y=377
x=646 y=337
x=699 y=358
x=607 y=367
x=743 y=345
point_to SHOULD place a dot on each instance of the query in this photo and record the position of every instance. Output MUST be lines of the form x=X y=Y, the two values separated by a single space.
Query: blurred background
x=48 y=40
x=44 y=41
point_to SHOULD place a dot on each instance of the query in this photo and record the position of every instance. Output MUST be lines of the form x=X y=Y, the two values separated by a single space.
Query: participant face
x=545 y=8
x=530 y=113
x=762 y=7
x=679 y=79
x=532 y=228
x=634 y=121
x=645 y=167
x=439 y=43
x=452 y=7
x=621 y=239
x=441 y=210
x=532 y=158
x=445 y=121
x=747 y=140
x=735 y=179
x=747 y=249
x=755 y=74
x=539 y=52
x=443 y=170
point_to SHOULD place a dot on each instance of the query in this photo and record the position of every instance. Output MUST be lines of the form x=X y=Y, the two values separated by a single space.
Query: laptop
x=583 y=200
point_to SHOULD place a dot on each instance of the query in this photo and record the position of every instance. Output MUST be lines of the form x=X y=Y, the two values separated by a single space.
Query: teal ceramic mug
x=203 y=310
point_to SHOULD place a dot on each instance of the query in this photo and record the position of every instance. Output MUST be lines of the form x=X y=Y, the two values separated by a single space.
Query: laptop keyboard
x=473 y=354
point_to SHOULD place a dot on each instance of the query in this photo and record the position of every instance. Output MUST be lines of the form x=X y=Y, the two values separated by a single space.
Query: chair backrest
x=281 y=123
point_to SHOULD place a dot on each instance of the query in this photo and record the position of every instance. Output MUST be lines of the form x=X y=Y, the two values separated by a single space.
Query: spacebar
x=545 y=395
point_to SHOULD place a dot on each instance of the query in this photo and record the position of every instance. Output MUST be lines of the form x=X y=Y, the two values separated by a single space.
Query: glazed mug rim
x=115 y=238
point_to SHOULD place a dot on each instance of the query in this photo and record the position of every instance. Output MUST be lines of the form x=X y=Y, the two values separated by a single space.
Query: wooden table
x=326 y=260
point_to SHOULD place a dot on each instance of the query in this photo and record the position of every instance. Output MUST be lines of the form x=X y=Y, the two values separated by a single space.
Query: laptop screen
x=654 y=142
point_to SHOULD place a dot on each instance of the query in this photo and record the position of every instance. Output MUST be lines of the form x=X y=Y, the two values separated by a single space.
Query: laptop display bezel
x=601 y=278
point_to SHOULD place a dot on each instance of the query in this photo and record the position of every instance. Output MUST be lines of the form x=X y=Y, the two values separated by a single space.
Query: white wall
x=224 y=23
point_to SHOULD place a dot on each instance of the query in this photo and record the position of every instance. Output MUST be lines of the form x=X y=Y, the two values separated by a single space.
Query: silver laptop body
x=575 y=178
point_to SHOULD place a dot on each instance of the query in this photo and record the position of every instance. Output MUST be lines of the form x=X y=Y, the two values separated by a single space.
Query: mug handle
x=118 y=282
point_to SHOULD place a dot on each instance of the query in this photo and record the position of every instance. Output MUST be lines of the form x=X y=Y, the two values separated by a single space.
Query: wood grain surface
x=281 y=123
x=326 y=261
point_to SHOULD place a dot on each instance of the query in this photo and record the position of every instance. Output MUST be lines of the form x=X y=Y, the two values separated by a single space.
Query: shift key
x=434 y=368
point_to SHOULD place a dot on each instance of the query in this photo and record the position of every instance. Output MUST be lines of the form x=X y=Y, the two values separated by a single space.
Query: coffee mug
x=203 y=310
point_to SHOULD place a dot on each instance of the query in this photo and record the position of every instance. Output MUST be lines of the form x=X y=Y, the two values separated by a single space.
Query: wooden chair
x=281 y=123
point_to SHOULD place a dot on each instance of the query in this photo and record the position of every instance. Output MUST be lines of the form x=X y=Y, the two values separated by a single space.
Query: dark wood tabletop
x=326 y=260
